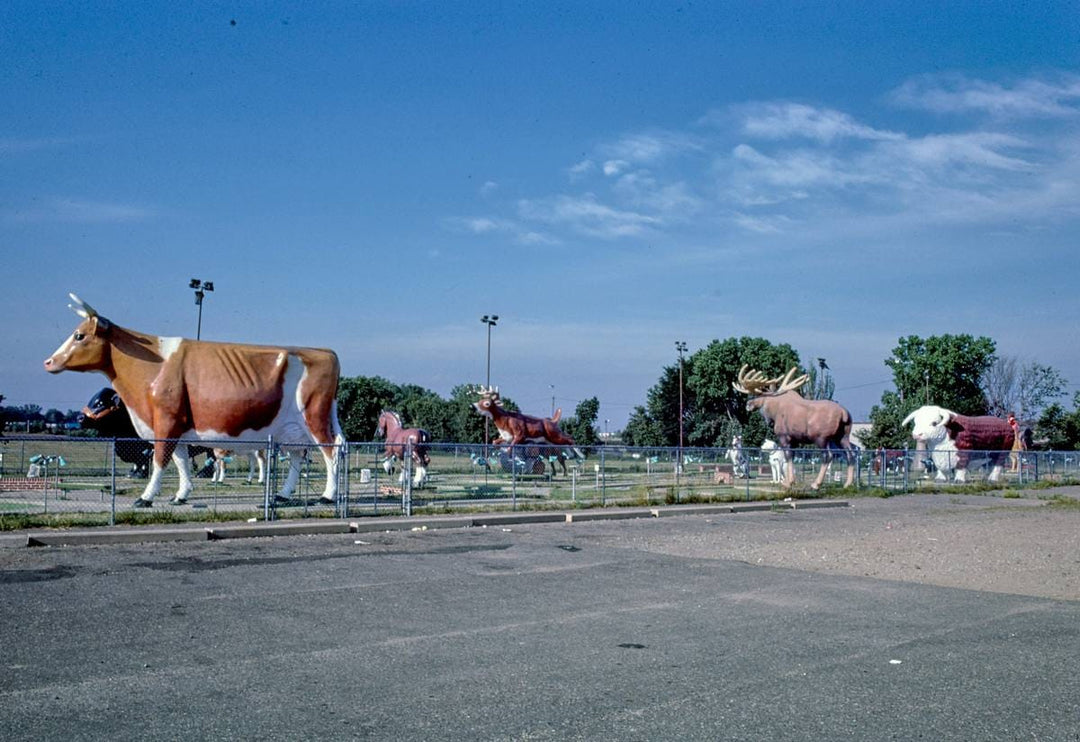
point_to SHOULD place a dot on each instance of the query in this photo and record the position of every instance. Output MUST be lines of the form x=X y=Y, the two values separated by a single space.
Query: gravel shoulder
x=1012 y=545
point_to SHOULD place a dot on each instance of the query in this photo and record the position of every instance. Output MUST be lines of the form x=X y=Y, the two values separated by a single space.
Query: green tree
x=582 y=426
x=360 y=400
x=713 y=411
x=1060 y=430
x=719 y=411
x=642 y=430
x=942 y=370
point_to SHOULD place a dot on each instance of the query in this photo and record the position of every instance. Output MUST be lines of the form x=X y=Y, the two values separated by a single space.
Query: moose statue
x=516 y=429
x=795 y=420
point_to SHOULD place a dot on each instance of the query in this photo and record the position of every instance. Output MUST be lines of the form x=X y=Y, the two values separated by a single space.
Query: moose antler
x=751 y=381
x=790 y=382
x=755 y=383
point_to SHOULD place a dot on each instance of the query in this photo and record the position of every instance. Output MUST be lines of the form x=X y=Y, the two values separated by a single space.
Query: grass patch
x=1064 y=503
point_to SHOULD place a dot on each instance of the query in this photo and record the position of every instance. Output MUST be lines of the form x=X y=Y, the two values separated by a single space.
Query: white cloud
x=794 y=120
x=614 y=167
x=767 y=166
x=581 y=169
x=960 y=94
x=493 y=226
x=83 y=211
x=586 y=215
x=649 y=148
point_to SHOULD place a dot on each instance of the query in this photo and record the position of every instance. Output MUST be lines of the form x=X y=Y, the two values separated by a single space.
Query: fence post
x=512 y=455
x=271 y=474
x=406 y=477
x=603 y=478
x=112 y=486
x=342 y=453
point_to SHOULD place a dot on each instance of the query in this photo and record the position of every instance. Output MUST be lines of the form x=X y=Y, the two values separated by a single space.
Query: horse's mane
x=396 y=416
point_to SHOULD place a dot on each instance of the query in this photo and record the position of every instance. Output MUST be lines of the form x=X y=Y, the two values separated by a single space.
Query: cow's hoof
x=279 y=500
x=326 y=501
x=141 y=503
x=178 y=501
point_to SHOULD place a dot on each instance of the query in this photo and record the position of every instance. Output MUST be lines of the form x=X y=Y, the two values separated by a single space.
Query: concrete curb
x=107 y=535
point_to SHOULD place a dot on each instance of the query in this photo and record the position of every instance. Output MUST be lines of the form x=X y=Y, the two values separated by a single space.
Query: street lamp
x=552 y=399
x=490 y=321
x=680 y=346
x=200 y=288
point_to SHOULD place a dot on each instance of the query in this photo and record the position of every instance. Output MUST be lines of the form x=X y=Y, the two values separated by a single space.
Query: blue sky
x=608 y=178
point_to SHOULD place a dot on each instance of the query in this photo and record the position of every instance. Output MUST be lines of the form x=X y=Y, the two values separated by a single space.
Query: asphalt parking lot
x=523 y=632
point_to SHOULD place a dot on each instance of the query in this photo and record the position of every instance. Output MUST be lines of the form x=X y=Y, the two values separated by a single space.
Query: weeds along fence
x=101 y=478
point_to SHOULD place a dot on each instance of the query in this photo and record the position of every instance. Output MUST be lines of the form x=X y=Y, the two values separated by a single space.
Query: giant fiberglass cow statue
x=950 y=439
x=795 y=420
x=189 y=390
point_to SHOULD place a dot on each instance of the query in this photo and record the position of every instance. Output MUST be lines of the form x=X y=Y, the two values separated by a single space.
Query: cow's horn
x=81 y=308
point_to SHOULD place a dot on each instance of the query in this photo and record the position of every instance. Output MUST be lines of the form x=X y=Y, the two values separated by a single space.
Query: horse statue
x=397 y=438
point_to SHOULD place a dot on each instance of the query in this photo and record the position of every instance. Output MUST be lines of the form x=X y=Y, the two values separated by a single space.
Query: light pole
x=490 y=321
x=200 y=287
x=680 y=346
x=552 y=399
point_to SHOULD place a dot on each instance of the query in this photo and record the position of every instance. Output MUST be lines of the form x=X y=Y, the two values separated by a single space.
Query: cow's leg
x=850 y=456
x=419 y=475
x=219 y=469
x=163 y=450
x=995 y=473
x=332 y=459
x=260 y=457
x=296 y=458
x=388 y=465
x=180 y=458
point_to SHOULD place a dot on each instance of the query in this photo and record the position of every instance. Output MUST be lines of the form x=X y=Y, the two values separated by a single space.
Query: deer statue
x=795 y=420
x=516 y=428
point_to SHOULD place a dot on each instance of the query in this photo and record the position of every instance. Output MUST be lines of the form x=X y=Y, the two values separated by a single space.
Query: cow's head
x=488 y=402
x=930 y=423
x=88 y=347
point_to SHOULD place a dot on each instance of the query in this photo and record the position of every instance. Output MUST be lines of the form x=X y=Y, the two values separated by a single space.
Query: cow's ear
x=952 y=424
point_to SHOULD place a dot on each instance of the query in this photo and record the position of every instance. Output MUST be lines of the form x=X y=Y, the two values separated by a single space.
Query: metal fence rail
x=101 y=478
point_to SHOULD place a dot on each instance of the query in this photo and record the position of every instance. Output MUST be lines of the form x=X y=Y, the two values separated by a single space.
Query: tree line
x=960 y=372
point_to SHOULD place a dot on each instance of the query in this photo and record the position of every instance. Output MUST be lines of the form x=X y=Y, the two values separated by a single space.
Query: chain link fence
x=101 y=478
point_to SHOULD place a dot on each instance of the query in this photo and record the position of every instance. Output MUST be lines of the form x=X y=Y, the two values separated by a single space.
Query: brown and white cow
x=951 y=439
x=188 y=390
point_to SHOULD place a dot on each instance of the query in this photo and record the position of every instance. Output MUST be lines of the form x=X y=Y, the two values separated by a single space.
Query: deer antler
x=488 y=392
